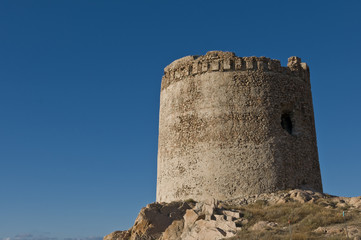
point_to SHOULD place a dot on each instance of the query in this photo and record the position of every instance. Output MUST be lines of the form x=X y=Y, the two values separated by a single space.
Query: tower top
x=228 y=61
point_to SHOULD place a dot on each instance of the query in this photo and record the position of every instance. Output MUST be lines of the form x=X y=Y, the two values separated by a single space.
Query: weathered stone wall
x=231 y=127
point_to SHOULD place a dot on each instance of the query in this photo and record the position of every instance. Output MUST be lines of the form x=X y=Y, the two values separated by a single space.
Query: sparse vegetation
x=297 y=214
x=190 y=200
x=302 y=218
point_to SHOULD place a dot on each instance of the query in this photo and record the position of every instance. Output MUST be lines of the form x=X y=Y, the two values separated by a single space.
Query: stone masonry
x=233 y=126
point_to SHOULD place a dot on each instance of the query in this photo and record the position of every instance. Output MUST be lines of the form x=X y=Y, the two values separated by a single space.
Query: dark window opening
x=286 y=122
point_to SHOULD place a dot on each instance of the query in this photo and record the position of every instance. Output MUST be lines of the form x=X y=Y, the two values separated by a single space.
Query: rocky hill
x=295 y=214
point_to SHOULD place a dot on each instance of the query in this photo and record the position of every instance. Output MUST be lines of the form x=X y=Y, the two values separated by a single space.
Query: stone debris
x=353 y=232
x=190 y=218
x=208 y=208
x=174 y=231
x=117 y=235
x=152 y=221
x=212 y=220
x=231 y=215
x=263 y=225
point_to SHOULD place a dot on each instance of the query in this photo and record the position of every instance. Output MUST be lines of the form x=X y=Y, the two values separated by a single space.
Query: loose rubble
x=213 y=220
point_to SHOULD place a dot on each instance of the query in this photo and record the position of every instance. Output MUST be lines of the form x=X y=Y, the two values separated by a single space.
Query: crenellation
x=219 y=54
x=177 y=74
x=274 y=65
x=185 y=71
x=215 y=65
x=293 y=61
x=262 y=63
x=228 y=61
x=227 y=64
x=306 y=72
x=204 y=66
x=171 y=75
x=239 y=64
x=180 y=62
x=294 y=65
x=305 y=66
x=195 y=67
x=250 y=63
x=245 y=122
x=165 y=80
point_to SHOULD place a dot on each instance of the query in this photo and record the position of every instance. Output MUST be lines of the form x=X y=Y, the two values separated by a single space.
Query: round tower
x=235 y=126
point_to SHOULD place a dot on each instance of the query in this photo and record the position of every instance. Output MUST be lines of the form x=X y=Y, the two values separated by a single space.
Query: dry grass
x=304 y=219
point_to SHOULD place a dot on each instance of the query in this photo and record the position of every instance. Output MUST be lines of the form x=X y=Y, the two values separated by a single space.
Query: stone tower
x=235 y=126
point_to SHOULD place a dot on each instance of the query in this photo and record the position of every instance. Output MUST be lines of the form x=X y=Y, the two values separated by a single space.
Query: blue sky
x=79 y=97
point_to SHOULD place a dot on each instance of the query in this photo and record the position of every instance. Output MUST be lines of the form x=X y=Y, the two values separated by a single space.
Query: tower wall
x=231 y=127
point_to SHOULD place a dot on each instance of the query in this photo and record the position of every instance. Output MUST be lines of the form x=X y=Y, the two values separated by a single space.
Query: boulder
x=174 y=231
x=231 y=214
x=300 y=195
x=189 y=218
x=210 y=230
x=263 y=225
x=155 y=218
x=117 y=235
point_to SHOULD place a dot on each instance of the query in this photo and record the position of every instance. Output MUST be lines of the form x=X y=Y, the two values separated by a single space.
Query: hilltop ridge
x=302 y=214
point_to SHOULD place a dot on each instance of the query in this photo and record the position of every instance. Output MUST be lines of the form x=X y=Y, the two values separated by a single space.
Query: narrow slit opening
x=286 y=122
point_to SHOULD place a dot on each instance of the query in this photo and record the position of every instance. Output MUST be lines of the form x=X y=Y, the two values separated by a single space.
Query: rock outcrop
x=301 y=213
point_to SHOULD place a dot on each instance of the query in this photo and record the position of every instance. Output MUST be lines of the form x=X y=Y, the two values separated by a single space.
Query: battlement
x=228 y=61
x=231 y=127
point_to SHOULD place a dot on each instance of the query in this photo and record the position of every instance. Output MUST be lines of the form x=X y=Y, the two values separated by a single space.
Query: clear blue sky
x=79 y=97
